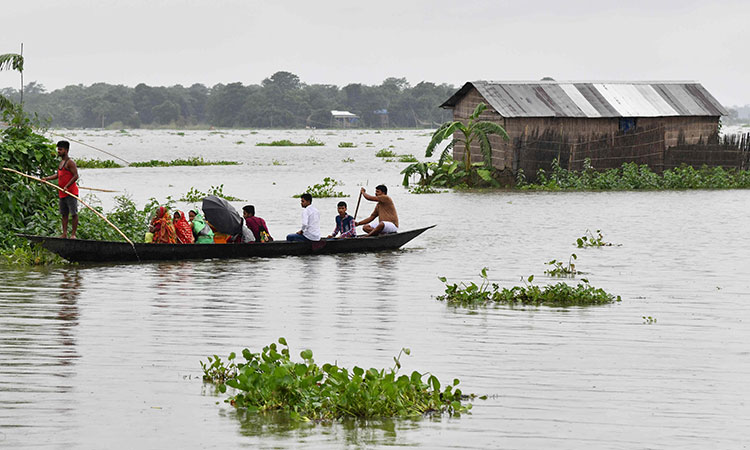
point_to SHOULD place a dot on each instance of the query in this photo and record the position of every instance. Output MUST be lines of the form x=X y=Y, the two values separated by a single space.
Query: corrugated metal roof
x=594 y=99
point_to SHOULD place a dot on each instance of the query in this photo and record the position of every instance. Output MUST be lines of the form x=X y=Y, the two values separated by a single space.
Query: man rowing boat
x=385 y=211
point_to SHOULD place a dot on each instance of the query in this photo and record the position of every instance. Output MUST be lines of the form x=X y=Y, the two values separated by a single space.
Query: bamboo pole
x=90 y=146
x=75 y=197
x=96 y=189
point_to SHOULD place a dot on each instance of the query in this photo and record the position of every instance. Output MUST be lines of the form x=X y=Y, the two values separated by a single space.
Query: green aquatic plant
x=270 y=381
x=347 y=160
x=648 y=320
x=97 y=164
x=276 y=162
x=559 y=269
x=346 y=145
x=556 y=295
x=324 y=189
x=192 y=161
x=310 y=142
x=631 y=176
x=385 y=153
x=423 y=189
x=30 y=255
x=193 y=195
x=407 y=158
x=591 y=240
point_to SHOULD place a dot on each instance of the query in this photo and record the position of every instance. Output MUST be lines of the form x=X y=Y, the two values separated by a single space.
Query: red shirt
x=63 y=177
x=256 y=224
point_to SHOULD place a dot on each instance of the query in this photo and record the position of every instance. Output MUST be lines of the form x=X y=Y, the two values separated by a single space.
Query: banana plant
x=466 y=134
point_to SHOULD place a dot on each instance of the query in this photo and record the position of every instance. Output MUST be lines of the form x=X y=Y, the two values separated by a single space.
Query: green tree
x=12 y=61
x=466 y=134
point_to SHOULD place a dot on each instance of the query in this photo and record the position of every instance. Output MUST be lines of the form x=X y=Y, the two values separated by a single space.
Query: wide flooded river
x=107 y=356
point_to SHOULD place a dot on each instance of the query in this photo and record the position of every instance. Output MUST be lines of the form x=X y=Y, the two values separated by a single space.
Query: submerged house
x=607 y=122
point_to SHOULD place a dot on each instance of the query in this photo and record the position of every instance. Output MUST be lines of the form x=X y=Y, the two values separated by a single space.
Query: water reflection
x=353 y=433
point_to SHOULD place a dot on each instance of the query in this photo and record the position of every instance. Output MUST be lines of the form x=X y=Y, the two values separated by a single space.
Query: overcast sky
x=168 y=42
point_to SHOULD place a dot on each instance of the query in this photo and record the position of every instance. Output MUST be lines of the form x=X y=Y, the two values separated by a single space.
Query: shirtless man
x=66 y=176
x=385 y=211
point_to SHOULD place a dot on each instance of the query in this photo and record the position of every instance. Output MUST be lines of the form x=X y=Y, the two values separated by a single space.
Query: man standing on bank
x=385 y=211
x=66 y=176
x=310 y=230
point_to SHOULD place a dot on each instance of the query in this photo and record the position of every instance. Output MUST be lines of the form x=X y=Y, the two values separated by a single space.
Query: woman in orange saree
x=162 y=227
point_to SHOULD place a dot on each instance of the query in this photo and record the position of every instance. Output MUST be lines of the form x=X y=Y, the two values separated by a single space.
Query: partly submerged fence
x=642 y=146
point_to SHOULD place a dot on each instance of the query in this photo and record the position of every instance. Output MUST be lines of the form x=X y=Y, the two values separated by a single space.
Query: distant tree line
x=280 y=101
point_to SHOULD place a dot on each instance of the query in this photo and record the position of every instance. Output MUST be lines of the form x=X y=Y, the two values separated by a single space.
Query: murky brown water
x=108 y=356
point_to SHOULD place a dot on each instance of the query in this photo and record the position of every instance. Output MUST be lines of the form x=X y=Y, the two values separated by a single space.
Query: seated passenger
x=344 y=223
x=183 y=229
x=219 y=237
x=201 y=231
x=310 y=230
x=162 y=228
x=256 y=224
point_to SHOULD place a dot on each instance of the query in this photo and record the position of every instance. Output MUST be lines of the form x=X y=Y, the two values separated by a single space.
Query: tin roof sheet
x=594 y=99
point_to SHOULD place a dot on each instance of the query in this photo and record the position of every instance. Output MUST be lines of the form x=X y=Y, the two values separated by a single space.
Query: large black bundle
x=225 y=218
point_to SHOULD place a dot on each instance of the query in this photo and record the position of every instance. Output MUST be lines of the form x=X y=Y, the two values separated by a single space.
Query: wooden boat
x=82 y=250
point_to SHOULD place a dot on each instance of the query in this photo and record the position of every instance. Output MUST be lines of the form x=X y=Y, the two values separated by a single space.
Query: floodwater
x=107 y=356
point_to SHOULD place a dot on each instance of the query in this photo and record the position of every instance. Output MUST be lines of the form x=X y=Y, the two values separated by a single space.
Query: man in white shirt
x=310 y=222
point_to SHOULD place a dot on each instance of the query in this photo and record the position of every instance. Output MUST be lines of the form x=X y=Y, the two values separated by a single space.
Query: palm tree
x=12 y=61
x=466 y=134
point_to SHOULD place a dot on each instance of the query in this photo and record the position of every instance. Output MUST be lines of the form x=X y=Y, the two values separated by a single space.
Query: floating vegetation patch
x=239 y=142
x=276 y=162
x=385 y=153
x=311 y=142
x=346 y=145
x=424 y=189
x=324 y=189
x=30 y=255
x=270 y=381
x=194 y=161
x=590 y=240
x=631 y=176
x=648 y=320
x=97 y=164
x=556 y=295
x=560 y=269
x=194 y=195
x=347 y=160
x=407 y=158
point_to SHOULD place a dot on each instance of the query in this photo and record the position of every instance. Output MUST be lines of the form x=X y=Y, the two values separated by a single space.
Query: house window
x=627 y=124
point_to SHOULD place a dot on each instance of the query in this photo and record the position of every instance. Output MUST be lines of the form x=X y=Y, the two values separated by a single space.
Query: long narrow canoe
x=82 y=250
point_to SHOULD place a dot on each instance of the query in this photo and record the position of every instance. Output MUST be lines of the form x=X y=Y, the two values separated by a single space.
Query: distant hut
x=343 y=119
x=606 y=122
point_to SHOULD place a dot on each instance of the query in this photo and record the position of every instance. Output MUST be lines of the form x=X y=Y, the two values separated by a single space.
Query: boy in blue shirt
x=344 y=224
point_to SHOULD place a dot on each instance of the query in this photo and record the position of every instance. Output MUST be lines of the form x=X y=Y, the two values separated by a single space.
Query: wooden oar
x=75 y=197
x=357 y=209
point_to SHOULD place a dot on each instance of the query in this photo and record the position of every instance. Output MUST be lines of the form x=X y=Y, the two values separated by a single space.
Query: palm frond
x=477 y=111
x=11 y=61
x=484 y=146
x=5 y=103
x=446 y=153
x=489 y=128
x=437 y=138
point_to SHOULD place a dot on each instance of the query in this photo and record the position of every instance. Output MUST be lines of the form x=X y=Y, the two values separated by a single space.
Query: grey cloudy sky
x=168 y=42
